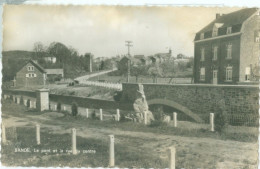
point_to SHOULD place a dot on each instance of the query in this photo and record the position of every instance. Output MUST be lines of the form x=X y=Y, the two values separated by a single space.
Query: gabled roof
x=234 y=18
x=41 y=69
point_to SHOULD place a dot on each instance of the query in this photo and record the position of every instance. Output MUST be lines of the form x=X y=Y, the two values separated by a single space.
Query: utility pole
x=128 y=44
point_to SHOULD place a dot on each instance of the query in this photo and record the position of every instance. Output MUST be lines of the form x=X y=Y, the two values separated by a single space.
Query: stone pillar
x=171 y=156
x=31 y=104
x=74 y=141
x=111 y=151
x=87 y=113
x=211 y=122
x=38 y=137
x=55 y=107
x=25 y=102
x=175 y=119
x=42 y=99
x=101 y=114
x=5 y=96
x=18 y=100
x=3 y=134
x=117 y=115
x=64 y=108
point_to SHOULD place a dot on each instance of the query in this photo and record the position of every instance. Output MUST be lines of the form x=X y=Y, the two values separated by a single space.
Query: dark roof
x=41 y=69
x=234 y=20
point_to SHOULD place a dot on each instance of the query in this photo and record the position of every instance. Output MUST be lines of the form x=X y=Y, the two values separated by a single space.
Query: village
x=166 y=110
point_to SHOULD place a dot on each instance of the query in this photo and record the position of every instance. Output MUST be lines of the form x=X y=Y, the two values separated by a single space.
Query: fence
x=108 y=85
x=73 y=150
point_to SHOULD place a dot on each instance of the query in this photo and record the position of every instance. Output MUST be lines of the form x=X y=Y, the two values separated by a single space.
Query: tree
x=38 y=49
x=155 y=71
x=137 y=70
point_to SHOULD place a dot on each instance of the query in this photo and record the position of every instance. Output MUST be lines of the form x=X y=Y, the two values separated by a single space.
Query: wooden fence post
x=101 y=114
x=111 y=151
x=171 y=156
x=3 y=134
x=38 y=136
x=212 y=122
x=175 y=119
x=117 y=115
x=74 y=141
x=87 y=112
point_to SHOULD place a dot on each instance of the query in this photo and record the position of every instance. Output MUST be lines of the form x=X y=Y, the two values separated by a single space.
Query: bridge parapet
x=200 y=99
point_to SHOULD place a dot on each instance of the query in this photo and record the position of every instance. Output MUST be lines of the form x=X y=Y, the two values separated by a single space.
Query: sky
x=103 y=30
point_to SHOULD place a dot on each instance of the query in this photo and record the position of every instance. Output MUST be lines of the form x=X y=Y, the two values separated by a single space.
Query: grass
x=160 y=129
x=126 y=156
x=131 y=151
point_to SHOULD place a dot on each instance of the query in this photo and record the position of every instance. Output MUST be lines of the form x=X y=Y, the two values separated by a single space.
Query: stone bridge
x=198 y=100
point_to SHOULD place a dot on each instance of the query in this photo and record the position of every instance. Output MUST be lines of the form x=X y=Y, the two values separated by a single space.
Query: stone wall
x=68 y=100
x=198 y=98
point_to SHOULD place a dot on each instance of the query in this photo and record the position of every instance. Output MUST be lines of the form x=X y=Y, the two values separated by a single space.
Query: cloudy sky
x=102 y=30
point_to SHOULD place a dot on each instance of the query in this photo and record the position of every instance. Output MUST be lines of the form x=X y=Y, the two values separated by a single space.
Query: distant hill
x=13 y=61
x=17 y=54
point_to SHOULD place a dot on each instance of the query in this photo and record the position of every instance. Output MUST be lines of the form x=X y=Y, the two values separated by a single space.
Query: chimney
x=218 y=15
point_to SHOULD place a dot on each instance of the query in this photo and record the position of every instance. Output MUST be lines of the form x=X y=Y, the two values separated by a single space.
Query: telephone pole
x=128 y=44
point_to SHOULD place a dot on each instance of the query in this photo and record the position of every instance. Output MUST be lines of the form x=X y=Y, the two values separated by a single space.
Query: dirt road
x=202 y=152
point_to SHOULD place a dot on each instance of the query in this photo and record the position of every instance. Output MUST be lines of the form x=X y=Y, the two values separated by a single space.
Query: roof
x=41 y=69
x=54 y=71
x=234 y=20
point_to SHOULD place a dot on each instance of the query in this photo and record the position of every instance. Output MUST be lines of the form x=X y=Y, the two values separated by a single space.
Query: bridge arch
x=177 y=106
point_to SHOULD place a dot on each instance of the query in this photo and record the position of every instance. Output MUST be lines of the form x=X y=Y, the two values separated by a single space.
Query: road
x=191 y=151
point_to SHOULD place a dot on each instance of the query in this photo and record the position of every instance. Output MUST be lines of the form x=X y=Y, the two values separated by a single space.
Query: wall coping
x=198 y=85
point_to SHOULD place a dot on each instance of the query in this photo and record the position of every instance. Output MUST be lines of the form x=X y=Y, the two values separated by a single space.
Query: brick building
x=227 y=50
x=31 y=74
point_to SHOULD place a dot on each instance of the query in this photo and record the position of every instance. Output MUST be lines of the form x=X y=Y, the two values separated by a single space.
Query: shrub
x=122 y=118
x=220 y=121
x=93 y=115
x=59 y=106
x=117 y=96
x=28 y=103
x=21 y=101
x=74 y=109
x=158 y=123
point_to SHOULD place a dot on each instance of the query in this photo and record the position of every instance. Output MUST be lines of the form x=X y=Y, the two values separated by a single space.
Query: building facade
x=227 y=50
x=31 y=74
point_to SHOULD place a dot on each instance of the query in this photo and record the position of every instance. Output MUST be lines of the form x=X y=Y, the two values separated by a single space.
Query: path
x=206 y=151
x=86 y=77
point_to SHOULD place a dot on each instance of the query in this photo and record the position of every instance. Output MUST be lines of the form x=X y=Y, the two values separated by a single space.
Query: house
x=30 y=74
x=160 y=57
x=226 y=51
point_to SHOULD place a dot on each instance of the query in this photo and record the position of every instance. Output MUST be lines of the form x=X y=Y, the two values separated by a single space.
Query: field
x=136 y=145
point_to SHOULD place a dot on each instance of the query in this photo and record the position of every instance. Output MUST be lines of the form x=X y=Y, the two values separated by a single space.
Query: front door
x=215 y=77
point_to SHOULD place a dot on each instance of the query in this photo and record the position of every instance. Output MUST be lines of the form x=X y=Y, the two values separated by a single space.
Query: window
x=30 y=68
x=215 y=32
x=215 y=52
x=229 y=30
x=247 y=74
x=202 y=73
x=202 y=36
x=229 y=51
x=229 y=73
x=202 y=54
x=30 y=75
